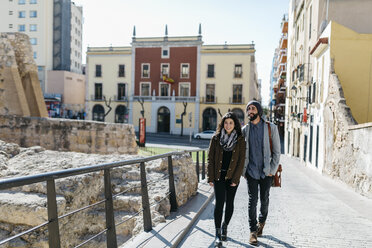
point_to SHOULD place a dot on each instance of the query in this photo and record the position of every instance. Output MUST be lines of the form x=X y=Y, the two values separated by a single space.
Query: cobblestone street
x=309 y=210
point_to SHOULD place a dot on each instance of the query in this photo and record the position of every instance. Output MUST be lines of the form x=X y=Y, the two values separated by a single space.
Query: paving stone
x=310 y=210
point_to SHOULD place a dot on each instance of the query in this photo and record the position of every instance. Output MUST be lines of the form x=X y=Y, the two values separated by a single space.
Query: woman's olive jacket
x=215 y=160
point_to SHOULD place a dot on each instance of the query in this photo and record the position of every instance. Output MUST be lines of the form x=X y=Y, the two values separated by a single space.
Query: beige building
x=71 y=87
x=162 y=75
x=228 y=81
x=323 y=33
x=109 y=73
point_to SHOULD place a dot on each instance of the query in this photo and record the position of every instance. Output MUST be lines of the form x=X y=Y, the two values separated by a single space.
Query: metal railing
x=110 y=230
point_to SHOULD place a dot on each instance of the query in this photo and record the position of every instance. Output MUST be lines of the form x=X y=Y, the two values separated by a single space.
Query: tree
x=108 y=104
x=141 y=101
x=182 y=115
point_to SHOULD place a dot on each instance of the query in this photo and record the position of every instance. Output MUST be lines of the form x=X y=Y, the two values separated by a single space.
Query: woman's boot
x=217 y=240
x=224 y=232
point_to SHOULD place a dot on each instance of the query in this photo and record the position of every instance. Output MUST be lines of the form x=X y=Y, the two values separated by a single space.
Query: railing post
x=53 y=227
x=197 y=165
x=203 y=166
x=109 y=205
x=172 y=188
x=147 y=225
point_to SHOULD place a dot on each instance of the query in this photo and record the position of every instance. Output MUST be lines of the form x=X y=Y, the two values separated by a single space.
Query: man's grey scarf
x=228 y=141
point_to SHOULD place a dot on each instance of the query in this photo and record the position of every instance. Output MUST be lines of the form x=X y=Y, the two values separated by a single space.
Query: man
x=260 y=165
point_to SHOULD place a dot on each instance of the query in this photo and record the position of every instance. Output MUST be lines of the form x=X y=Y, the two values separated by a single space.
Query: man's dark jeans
x=253 y=184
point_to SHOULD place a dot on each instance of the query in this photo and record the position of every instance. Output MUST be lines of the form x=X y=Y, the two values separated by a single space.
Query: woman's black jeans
x=265 y=185
x=224 y=193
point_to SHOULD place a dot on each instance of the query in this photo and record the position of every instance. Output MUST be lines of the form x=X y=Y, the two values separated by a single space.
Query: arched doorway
x=240 y=114
x=209 y=119
x=121 y=114
x=163 y=120
x=98 y=113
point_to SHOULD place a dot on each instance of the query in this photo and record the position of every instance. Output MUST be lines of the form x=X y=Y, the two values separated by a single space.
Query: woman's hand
x=233 y=184
x=211 y=184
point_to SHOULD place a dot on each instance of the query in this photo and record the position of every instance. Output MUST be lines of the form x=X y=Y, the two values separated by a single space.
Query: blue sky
x=235 y=21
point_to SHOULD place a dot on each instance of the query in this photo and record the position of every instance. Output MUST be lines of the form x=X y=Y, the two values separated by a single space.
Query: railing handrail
x=25 y=180
x=110 y=230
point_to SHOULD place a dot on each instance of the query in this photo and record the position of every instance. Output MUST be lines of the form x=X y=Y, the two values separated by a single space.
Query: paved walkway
x=309 y=210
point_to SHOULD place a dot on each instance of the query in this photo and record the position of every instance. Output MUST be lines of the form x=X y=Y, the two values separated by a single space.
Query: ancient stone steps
x=25 y=208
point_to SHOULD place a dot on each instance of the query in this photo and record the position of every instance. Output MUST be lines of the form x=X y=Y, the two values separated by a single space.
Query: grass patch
x=152 y=151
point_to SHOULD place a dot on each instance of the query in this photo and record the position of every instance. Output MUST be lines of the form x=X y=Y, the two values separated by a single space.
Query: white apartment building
x=55 y=31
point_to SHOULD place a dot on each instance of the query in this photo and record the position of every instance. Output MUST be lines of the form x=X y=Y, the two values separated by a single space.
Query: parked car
x=207 y=134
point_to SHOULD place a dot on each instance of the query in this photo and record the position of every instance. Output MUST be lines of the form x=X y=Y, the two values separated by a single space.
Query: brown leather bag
x=277 y=180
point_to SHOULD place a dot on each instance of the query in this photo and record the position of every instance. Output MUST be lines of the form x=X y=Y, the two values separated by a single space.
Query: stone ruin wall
x=348 y=149
x=69 y=135
x=20 y=91
x=24 y=207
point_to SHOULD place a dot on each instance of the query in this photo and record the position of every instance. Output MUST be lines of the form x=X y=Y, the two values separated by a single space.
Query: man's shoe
x=224 y=232
x=260 y=228
x=253 y=238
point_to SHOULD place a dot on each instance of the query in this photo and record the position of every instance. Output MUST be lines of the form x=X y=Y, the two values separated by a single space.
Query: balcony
x=121 y=98
x=97 y=98
x=209 y=100
x=165 y=98
x=238 y=100
x=283 y=41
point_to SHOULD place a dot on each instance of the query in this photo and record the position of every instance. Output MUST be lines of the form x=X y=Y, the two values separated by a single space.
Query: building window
x=210 y=73
x=145 y=89
x=33 y=1
x=185 y=69
x=98 y=70
x=21 y=28
x=165 y=53
x=164 y=89
x=10 y=25
x=145 y=70
x=33 y=27
x=33 y=41
x=121 y=91
x=237 y=93
x=209 y=93
x=98 y=91
x=10 y=12
x=21 y=14
x=121 y=114
x=238 y=71
x=165 y=70
x=35 y=55
x=21 y=1
x=121 y=70
x=33 y=13
x=98 y=113
x=184 y=89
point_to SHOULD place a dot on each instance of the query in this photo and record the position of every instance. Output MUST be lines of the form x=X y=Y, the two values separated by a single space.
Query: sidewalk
x=310 y=210
x=166 y=234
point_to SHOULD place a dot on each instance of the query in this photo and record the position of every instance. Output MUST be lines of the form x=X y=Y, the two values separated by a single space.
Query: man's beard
x=254 y=117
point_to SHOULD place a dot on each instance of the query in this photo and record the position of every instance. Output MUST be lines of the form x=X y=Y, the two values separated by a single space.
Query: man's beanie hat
x=257 y=105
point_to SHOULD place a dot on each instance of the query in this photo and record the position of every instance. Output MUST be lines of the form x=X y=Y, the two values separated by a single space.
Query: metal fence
x=110 y=230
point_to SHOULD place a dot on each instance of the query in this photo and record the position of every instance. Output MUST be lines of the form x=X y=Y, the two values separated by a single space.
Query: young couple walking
x=236 y=152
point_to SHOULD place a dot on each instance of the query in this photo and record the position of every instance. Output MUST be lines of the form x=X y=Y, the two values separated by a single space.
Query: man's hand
x=270 y=175
x=211 y=184
x=233 y=184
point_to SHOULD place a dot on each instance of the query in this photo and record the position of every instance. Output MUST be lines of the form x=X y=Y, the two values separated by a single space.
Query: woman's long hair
x=237 y=127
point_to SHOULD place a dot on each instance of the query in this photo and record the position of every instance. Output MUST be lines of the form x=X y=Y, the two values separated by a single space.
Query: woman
x=225 y=164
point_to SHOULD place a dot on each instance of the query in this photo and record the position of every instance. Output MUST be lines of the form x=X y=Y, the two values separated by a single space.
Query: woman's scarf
x=228 y=142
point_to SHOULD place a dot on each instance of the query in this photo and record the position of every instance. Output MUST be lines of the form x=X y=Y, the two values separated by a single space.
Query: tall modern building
x=55 y=31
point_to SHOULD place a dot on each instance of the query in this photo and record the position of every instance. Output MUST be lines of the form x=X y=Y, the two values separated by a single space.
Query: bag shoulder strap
x=271 y=141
